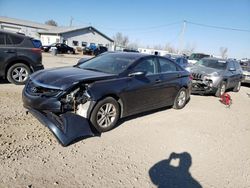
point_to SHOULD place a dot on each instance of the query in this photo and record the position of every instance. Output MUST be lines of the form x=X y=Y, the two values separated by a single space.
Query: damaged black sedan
x=90 y=98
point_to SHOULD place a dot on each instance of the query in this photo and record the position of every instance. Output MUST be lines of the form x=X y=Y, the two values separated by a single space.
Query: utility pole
x=181 y=38
x=71 y=21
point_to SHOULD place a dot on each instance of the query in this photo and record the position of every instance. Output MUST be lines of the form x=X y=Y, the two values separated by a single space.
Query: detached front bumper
x=200 y=87
x=67 y=127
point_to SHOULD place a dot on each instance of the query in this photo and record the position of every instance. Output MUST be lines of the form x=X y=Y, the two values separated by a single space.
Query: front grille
x=197 y=76
x=32 y=89
x=37 y=90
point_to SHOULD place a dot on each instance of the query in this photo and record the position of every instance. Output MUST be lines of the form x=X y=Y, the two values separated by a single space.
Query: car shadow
x=150 y=112
x=3 y=81
x=245 y=84
x=165 y=174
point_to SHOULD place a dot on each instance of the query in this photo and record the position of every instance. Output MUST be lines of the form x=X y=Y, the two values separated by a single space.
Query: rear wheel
x=237 y=87
x=181 y=99
x=105 y=114
x=18 y=73
x=221 y=90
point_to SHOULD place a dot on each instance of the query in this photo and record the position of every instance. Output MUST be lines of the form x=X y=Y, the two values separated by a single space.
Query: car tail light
x=36 y=50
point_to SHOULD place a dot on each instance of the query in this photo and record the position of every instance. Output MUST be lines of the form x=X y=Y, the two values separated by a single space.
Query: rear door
x=7 y=51
x=170 y=80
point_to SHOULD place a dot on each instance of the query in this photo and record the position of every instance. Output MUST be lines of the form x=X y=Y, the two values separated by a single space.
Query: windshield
x=197 y=56
x=109 y=63
x=213 y=63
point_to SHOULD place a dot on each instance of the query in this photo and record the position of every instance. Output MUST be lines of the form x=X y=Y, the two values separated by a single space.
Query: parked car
x=61 y=48
x=72 y=101
x=245 y=65
x=99 y=50
x=212 y=75
x=89 y=50
x=194 y=57
x=19 y=56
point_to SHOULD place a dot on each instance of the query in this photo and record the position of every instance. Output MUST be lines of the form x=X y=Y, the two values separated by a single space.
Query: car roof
x=12 y=33
x=214 y=58
x=135 y=55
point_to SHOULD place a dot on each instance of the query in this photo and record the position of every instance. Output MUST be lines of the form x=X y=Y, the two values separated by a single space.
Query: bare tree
x=120 y=39
x=223 y=52
x=170 y=48
x=189 y=49
x=158 y=47
x=51 y=22
x=133 y=45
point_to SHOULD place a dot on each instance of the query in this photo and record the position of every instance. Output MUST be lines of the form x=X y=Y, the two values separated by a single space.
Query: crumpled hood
x=205 y=70
x=63 y=78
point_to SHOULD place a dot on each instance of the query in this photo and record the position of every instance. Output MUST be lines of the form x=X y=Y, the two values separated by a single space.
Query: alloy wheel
x=181 y=98
x=20 y=74
x=106 y=115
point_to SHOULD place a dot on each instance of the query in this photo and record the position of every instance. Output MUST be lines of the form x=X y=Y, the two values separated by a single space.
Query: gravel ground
x=213 y=143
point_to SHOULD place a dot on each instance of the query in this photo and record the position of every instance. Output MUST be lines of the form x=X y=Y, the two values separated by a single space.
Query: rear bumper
x=67 y=127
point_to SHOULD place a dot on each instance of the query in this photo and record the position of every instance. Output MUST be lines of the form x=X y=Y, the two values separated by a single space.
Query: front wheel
x=237 y=87
x=18 y=73
x=221 y=89
x=105 y=114
x=180 y=99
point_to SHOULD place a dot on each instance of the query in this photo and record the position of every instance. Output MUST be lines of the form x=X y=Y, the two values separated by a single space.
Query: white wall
x=48 y=39
x=85 y=35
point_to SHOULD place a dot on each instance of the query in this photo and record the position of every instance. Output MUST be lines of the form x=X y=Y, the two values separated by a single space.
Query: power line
x=142 y=28
x=218 y=27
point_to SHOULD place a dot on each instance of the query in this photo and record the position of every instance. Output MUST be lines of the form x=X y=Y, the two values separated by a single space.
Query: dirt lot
x=216 y=140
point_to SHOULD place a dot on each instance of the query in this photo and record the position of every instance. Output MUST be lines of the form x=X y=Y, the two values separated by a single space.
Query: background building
x=72 y=36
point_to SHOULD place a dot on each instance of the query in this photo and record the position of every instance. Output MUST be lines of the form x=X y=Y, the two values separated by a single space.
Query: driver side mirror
x=137 y=74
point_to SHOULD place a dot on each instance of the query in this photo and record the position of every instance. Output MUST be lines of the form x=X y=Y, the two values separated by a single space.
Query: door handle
x=158 y=81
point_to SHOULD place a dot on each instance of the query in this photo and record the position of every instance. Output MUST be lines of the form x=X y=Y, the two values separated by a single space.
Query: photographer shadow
x=163 y=174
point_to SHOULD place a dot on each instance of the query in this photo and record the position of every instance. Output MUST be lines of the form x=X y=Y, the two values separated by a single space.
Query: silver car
x=245 y=65
x=213 y=75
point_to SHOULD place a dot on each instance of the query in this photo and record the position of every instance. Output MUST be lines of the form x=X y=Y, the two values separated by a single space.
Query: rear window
x=36 y=43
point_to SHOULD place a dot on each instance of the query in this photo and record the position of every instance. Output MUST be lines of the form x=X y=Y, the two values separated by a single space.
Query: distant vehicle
x=212 y=75
x=20 y=55
x=94 y=95
x=194 y=57
x=99 y=50
x=245 y=65
x=180 y=60
x=61 y=48
x=130 y=50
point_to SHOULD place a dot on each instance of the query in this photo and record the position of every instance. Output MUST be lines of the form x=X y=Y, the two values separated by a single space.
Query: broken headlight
x=77 y=96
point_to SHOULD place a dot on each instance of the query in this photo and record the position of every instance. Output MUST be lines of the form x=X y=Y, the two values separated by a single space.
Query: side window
x=8 y=40
x=2 y=39
x=167 y=66
x=148 y=65
x=16 y=39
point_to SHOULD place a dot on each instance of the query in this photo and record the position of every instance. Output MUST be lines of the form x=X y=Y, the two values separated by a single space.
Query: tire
x=221 y=90
x=18 y=73
x=102 y=118
x=237 y=87
x=180 y=99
